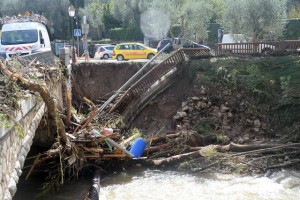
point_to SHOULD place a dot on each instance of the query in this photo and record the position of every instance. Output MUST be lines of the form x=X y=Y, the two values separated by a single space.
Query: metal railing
x=155 y=75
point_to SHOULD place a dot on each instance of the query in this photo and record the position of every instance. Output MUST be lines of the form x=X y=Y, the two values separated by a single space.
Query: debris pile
x=219 y=114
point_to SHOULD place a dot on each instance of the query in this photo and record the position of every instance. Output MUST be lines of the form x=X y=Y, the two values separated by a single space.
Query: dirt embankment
x=217 y=113
x=212 y=104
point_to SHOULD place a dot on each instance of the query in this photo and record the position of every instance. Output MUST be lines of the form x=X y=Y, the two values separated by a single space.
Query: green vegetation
x=194 y=19
x=273 y=82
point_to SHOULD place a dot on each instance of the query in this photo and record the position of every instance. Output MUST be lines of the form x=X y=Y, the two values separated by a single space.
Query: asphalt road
x=110 y=60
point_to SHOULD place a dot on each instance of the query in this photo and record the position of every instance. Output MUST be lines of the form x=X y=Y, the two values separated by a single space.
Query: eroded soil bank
x=238 y=100
x=98 y=82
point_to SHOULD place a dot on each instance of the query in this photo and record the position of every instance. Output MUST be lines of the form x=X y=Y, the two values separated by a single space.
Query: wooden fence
x=258 y=48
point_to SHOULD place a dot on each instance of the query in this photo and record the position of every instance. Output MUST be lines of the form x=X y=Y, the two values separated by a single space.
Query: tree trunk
x=47 y=98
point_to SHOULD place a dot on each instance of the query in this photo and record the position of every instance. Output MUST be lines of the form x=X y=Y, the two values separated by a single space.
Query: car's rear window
x=110 y=48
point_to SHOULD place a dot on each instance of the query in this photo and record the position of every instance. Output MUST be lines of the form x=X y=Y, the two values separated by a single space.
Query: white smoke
x=155 y=24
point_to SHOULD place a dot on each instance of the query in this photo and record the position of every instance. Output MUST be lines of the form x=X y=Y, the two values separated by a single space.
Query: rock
x=219 y=114
x=180 y=115
x=264 y=126
x=229 y=115
x=185 y=108
x=224 y=108
x=240 y=140
x=209 y=103
x=249 y=122
x=257 y=123
x=176 y=117
x=203 y=90
x=183 y=104
x=178 y=127
x=246 y=139
x=187 y=126
x=186 y=120
x=195 y=98
x=203 y=105
x=256 y=129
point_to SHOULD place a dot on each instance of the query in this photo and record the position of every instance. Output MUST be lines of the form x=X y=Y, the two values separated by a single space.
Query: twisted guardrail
x=156 y=79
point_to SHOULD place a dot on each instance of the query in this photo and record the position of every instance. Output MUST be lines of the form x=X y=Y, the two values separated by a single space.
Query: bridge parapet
x=16 y=137
x=18 y=128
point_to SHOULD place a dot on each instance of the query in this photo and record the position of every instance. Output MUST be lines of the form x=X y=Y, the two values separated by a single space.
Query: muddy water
x=146 y=184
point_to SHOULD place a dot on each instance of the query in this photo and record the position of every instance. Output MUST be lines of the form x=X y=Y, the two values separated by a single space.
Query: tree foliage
x=94 y=12
x=192 y=16
x=257 y=19
x=260 y=19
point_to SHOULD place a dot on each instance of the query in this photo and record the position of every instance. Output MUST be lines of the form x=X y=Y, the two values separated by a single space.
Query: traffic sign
x=77 y=32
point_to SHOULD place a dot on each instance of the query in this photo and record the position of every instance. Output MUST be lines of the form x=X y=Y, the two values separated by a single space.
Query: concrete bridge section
x=15 y=141
x=17 y=132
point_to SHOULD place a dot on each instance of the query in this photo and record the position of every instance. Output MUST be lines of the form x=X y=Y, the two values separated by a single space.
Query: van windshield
x=19 y=37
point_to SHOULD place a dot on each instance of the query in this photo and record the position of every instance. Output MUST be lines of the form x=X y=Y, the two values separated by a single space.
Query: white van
x=22 y=38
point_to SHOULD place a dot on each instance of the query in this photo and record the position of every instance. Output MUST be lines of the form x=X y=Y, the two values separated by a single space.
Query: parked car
x=131 y=50
x=104 y=52
x=92 y=48
x=186 y=43
x=163 y=43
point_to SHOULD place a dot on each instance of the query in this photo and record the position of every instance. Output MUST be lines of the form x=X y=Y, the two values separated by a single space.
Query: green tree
x=256 y=18
x=217 y=10
x=192 y=16
x=109 y=20
x=294 y=11
x=94 y=12
x=130 y=11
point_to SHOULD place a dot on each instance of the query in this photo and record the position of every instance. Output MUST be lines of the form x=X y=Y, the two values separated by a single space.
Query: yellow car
x=127 y=51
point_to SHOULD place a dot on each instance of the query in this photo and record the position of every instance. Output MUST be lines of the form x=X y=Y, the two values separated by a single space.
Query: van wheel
x=120 y=57
x=150 y=56
x=105 y=56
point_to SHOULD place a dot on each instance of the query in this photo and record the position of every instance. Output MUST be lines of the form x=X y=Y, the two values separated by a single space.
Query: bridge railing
x=155 y=74
x=46 y=57
x=145 y=82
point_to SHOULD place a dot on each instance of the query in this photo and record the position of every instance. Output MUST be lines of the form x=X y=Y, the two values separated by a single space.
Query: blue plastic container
x=138 y=147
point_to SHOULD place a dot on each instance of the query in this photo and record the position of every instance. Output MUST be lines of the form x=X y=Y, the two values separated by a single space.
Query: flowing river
x=146 y=184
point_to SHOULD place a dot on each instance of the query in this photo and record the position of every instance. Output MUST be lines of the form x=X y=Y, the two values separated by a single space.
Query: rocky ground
x=211 y=109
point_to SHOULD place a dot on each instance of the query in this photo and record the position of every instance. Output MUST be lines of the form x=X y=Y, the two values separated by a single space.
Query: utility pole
x=85 y=31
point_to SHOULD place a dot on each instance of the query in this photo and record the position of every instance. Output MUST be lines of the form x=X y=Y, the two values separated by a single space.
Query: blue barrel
x=138 y=147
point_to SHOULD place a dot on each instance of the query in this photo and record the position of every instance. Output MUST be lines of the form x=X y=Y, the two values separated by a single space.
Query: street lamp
x=71 y=11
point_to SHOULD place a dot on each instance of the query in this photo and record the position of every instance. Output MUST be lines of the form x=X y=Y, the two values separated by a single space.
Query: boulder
x=224 y=108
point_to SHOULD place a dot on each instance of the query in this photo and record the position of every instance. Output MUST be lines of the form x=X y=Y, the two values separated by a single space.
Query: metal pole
x=77 y=39
x=78 y=46
x=73 y=47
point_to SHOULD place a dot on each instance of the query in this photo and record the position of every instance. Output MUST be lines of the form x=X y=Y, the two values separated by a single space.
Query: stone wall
x=15 y=141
